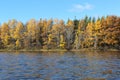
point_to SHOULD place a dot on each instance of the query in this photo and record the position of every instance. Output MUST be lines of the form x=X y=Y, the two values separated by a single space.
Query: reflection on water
x=59 y=65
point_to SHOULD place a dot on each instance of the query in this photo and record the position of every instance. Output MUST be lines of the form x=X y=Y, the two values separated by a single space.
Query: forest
x=87 y=33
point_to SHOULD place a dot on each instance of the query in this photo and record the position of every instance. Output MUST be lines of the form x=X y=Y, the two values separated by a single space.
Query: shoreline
x=32 y=50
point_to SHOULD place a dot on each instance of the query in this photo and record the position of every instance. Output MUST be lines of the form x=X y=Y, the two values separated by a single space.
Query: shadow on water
x=60 y=65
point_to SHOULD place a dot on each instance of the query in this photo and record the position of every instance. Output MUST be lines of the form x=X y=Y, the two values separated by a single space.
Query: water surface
x=59 y=65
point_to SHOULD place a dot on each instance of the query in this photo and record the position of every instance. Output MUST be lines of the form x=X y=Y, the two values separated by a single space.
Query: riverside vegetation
x=87 y=33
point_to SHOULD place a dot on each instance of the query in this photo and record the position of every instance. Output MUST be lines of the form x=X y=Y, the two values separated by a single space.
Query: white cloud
x=81 y=8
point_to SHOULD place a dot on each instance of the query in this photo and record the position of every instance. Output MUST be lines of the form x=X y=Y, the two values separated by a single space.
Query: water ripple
x=59 y=65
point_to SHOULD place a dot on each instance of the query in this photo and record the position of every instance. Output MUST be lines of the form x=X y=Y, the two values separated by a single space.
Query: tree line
x=89 y=32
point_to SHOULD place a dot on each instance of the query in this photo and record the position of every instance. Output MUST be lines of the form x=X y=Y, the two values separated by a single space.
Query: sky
x=24 y=10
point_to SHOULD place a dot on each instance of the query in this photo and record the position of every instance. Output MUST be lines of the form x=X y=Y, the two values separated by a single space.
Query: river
x=60 y=65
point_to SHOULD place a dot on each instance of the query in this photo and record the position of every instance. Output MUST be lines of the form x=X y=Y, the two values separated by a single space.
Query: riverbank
x=30 y=50
x=84 y=49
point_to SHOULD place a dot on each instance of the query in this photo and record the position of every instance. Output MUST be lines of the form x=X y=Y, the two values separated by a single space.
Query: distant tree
x=90 y=34
x=78 y=43
x=69 y=29
x=112 y=30
x=96 y=35
x=18 y=34
x=57 y=31
x=30 y=33
x=100 y=33
x=76 y=22
x=47 y=26
x=5 y=34
x=1 y=44
x=12 y=25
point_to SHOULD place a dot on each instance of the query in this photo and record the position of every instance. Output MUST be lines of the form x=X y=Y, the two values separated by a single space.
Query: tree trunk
x=68 y=44
x=96 y=42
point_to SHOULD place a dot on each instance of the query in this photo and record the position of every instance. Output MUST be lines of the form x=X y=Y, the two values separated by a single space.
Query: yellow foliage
x=18 y=31
x=62 y=43
x=18 y=43
x=5 y=34
x=6 y=40
x=49 y=38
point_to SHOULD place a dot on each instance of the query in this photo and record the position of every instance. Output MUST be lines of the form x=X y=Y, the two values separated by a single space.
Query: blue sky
x=24 y=10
